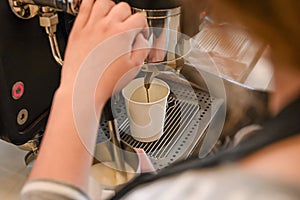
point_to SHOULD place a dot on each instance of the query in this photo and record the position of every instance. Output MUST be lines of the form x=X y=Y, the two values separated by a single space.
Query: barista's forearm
x=63 y=156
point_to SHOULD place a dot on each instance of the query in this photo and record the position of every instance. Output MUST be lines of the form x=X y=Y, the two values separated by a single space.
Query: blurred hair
x=274 y=21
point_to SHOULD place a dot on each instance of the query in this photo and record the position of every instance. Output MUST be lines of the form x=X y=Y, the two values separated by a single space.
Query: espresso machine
x=201 y=108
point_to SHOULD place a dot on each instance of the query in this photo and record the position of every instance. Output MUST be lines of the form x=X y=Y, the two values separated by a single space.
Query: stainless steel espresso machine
x=203 y=109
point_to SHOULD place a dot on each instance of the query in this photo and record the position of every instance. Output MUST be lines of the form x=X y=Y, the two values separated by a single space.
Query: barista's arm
x=63 y=157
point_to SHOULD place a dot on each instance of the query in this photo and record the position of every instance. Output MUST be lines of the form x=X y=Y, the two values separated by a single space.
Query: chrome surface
x=22 y=116
x=164 y=26
x=49 y=20
x=233 y=50
x=104 y=153
x=179 y=114
x=189 y=113
x=116 y=141
x=23 y=10
x=32 y=146
x=244 y=105
x=68 y=6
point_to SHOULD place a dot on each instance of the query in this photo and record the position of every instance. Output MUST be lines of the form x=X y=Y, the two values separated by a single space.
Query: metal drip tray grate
x=189 y=113
x=179 y=115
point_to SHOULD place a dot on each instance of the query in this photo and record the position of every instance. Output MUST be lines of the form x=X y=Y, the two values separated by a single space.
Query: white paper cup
x=146 y=120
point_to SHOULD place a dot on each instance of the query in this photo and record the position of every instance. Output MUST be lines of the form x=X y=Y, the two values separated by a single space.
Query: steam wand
x=118 y=155
x=49 y=20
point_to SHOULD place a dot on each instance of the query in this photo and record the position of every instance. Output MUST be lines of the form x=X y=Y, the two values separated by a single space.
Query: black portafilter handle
x=153 y=4
x=107 y=112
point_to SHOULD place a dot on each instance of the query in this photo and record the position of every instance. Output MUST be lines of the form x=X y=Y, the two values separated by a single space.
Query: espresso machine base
x=189 y=113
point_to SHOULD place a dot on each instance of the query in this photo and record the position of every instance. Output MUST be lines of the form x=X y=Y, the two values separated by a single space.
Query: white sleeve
x=48 y=189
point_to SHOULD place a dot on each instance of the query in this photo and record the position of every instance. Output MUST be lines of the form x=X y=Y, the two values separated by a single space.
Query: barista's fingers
x=120 y=12
x=140 y=50
x=146 y=165
x=101 y=8
x=84 y=13
x=138 y=21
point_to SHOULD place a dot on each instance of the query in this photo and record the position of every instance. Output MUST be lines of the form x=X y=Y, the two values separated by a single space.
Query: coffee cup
x=146 y=119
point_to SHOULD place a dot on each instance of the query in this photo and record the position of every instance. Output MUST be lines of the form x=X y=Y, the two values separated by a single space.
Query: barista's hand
x=146 y=165
x=104 y=22
x=97 y=23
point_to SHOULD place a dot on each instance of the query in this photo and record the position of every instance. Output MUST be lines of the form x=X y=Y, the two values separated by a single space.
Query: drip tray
x=189 y=113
